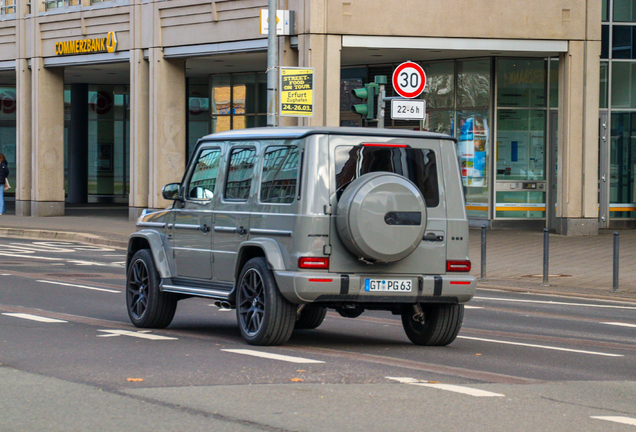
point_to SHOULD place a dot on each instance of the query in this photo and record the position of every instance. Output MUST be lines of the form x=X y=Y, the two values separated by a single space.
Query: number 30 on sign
x=409 y=80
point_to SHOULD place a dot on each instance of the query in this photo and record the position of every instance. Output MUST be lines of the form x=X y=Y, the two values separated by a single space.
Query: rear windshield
x=418 y=165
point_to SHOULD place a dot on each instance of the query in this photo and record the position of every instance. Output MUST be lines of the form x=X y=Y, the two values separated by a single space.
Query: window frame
x=186 y=185
x=232 y=149
x=298 y=174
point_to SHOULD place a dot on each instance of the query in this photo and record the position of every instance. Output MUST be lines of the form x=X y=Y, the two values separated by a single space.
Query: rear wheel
x=147 y=306
x=440 y=327
x=264 y=316
x=310 y=317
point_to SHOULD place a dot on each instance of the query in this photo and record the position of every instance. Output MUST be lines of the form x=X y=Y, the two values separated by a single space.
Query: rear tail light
x=458 y=266
x=313 y=263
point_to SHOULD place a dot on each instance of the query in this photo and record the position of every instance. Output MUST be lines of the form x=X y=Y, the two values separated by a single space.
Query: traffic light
x=368 y=94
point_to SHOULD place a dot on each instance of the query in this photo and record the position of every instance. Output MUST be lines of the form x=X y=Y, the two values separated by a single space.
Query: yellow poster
x=296 y=92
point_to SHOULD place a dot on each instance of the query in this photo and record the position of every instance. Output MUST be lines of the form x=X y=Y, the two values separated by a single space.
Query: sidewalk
x=579 y=266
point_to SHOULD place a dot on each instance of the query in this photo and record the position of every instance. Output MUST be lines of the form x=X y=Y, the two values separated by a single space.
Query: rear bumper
x=305 y=287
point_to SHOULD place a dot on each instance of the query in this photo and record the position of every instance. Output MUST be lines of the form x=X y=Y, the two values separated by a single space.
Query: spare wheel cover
x=381 y=216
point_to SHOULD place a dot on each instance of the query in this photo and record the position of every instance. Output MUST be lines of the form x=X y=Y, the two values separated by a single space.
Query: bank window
x=56 y=4
x=203 y=181
x=239 y=176
x=418 y=165
x=280 y=174
x=623 y=42
x=624 y=11
x=238 y=101
x=7 y=7
x=623 y=82
x=521 y=83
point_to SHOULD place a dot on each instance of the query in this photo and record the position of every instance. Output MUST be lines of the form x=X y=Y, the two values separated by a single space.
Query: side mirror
x=171 y=191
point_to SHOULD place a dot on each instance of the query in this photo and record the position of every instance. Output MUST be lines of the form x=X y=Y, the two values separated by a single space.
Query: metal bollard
x=483 y=253
x=616 y=257
x=546 y=256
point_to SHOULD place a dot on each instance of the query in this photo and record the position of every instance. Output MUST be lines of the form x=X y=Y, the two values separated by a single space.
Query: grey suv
x=285 y=223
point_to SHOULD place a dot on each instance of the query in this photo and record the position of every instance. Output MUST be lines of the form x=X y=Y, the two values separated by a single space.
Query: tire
x=264 y=316
x=310 y=317
x=441 y=324
x=147 y=306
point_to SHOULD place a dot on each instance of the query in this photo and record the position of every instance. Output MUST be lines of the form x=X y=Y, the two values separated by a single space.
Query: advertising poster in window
x=473 y=148
x=296 y=92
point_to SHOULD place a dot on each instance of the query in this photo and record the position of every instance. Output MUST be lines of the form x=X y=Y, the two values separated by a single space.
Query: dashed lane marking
x=555 y=303
x=541 y=346
x=619 y=324
x=141 y=335
x=472 y=307
x=272 y=356
x=34 y=318
x=448 y=387
x=79 y=286
x=617 y=419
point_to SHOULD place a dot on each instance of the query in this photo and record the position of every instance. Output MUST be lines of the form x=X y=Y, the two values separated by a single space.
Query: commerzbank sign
x=106 y=44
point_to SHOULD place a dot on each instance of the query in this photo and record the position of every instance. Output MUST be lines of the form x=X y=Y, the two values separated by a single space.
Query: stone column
x=167 y=151
x=78 y=145
x=577 y=194
x=322 y=52
x=48 y=139
x=139 y=132
x=23 y=142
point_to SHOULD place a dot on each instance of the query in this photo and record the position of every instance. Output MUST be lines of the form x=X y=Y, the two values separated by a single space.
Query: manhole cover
x=552 y=276
x=75 y=275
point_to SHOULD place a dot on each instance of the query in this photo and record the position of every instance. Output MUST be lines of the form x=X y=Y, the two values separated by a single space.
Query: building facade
x=104 y=100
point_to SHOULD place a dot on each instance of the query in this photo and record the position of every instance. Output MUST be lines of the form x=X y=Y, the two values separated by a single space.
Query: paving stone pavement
x=514 y=259
x=579 y=266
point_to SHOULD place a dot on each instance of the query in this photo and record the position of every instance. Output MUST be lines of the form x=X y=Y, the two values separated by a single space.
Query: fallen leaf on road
x=297 y=380
x=134 y=379
x=301 y=371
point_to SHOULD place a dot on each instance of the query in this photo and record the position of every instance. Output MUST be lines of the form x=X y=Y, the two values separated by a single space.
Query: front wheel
x=147 y=306
x=440 y=327
x=264 y=316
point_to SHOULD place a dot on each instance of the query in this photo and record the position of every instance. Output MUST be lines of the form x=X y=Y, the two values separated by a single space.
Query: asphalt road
x=71 y=360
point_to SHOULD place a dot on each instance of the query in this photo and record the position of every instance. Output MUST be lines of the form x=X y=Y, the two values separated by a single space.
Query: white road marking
x=5 y=274
x=555 y=303
x=448 y=387
x=30 y=257
x=619 y=324
x=272 y=356
x=79 y=286
x=472 y=307
x=34 y=318
x=617 y=419
x=541 y=346
x=141 y=335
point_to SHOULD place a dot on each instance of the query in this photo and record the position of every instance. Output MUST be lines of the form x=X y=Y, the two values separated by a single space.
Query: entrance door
x=551 y=198
x=603 y=172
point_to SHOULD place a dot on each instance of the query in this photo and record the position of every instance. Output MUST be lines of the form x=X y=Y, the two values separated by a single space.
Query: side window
x=239 y=174
x=417 y=165
x=203 y=180
x=280 y=174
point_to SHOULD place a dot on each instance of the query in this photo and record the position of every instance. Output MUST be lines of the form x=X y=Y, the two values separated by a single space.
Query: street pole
x=381 y=96
x=272 y=63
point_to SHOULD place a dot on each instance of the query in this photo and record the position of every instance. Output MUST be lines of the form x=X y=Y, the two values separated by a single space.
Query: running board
x=199 y=292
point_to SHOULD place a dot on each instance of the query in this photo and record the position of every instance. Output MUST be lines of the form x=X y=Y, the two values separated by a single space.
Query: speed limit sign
x=409 y=80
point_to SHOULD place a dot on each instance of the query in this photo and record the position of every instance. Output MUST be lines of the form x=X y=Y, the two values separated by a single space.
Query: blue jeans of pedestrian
x=1 y=198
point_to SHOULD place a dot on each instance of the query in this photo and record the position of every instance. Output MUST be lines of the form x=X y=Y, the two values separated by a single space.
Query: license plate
x=390 y=285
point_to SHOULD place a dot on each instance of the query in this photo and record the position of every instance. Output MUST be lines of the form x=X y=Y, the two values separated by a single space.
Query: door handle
x=241 y=231
x=204 y=228
x=433 y=237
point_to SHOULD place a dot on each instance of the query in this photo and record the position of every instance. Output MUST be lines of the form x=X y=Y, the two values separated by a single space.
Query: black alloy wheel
x=264 y=316
x=147 y=306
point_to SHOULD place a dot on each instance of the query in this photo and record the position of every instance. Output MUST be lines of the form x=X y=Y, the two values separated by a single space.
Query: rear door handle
x=433 y=237
x=204 y=228
x=241 y=231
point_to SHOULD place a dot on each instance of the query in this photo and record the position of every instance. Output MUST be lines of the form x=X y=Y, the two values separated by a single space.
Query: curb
x=62 y=235
x=559 y=293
